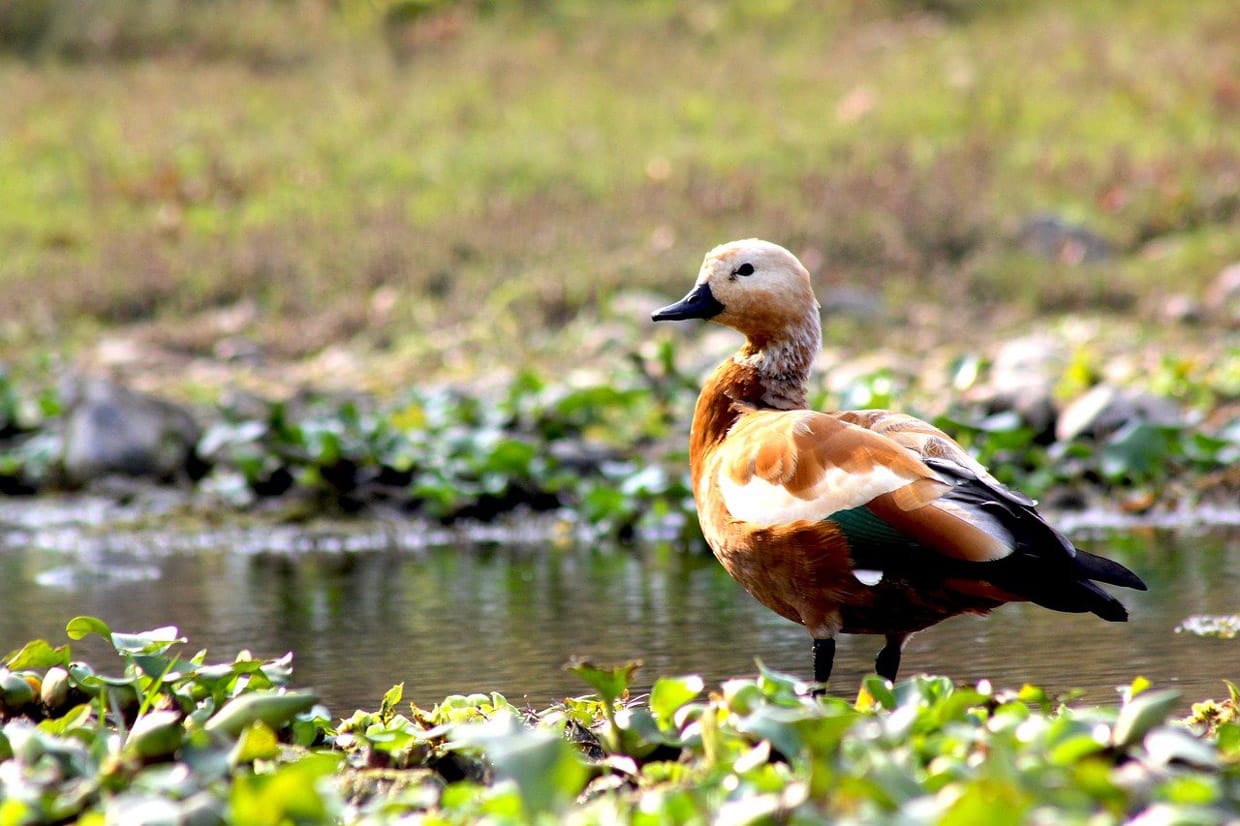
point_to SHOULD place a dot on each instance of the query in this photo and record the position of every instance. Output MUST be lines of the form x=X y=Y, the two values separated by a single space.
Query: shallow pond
x=365 y=608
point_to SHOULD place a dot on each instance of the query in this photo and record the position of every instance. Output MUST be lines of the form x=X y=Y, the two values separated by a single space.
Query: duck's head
x=753 y=286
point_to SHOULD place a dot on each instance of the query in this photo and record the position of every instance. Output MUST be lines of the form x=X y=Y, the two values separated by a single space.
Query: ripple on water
x=70 y=577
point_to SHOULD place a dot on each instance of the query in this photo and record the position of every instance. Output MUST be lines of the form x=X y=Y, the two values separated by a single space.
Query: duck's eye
x=743 y=269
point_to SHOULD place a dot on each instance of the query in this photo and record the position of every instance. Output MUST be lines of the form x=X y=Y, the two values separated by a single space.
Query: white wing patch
x=868 y=577
x=764 y=504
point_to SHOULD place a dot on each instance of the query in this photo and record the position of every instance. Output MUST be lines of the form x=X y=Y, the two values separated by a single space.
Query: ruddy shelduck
x=861 y=521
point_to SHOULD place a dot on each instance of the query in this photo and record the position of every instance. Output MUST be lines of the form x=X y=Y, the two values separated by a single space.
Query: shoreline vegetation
x=607 y=455
x=156 y=736
x=396 y=257
x=403 y=253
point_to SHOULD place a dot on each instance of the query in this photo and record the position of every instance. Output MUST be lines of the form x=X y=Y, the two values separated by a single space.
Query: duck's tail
x=1082 y=594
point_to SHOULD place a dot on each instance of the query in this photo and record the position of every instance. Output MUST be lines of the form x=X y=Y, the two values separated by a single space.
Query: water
x=482 y=617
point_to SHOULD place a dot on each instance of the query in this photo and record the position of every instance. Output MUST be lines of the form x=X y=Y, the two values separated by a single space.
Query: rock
x=112 y=429
x=1179 y=308
x=1050 y=236
x=1222 y=298
x=1022 y=379
x=1106 y=408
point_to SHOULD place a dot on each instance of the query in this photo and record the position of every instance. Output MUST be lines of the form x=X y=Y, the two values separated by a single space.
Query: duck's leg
x=887 y=664
x=824 y=658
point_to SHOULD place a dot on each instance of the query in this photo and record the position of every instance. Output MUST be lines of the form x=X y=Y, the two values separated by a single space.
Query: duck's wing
x=908 y=499
x=927 y=442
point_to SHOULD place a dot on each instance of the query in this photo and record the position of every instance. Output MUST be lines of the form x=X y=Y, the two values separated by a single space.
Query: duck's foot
x=824 y=658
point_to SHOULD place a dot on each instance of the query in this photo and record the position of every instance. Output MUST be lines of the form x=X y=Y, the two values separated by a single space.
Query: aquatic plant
x=178 y=739
x=601 y=452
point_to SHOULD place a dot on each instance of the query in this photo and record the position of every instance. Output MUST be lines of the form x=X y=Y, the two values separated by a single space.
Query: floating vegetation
x=179 y=739
x=1222 y=626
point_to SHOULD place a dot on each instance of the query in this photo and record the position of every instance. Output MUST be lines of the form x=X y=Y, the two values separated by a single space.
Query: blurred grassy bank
x=441 y=186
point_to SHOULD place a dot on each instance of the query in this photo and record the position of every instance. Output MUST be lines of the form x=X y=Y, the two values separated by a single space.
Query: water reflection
x=448 y=620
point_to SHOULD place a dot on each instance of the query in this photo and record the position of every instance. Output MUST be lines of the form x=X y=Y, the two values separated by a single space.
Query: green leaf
x=511 y=458
x=670 y=693
x=390 y=699
x=80 y=627
x=1167 y=745
x=1136 y=451
x=1140 y=715
x=257 y=742
x=778 y=724
x=1069 y=750
x=779 y=686
x=38 y=654
x=1228 y=735
x=274 y=709
x=611 y=683
x=879 y=689
x=993 y=802
x=155 y=641
x=1139 y=684
x=290 y=794
x=545 y=768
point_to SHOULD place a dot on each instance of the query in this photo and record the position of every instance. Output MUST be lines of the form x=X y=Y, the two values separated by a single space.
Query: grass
x=430 y=191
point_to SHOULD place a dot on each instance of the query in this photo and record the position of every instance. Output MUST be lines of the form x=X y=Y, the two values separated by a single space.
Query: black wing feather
x=1044 y=567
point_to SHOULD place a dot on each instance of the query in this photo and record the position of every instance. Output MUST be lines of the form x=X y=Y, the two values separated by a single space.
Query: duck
x=855 y=521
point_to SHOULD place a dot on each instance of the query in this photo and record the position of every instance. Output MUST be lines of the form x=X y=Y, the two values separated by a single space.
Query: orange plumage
x=862 y=521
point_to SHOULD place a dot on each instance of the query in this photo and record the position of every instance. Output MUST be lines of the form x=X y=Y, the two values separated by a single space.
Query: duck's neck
x=781 y=366
x=769 y=373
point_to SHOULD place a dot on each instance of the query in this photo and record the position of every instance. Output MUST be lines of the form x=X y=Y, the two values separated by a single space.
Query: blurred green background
x=434 y=187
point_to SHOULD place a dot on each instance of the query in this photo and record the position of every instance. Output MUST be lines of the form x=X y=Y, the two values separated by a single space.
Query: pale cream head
x=763 y=288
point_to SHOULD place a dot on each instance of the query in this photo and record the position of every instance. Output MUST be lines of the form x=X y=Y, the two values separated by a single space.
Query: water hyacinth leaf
x=155 y=641
x=81 y=627
x=637 y=734
x=162 y=668
x=1142 y=714
x=778 y=724
x=155 y=735
x=546 y=770
x=511 y=458
x=1070 y=750
x=1138 y=685
x=777 y=685
x=1166 y=745
x=990 y=801
x=670 y=693
x=962 y=702
x=78 y=717
x=1228 y=737
x=144 y=808
x=877 y=691
x=1190 y=791
x=38 y=654
x=257 y=742
x=610 y=682
x=1136 y=451
x=273 y=709
x=1224 y=626
x=290 y=794
x=390 y=700
x=278 y=671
